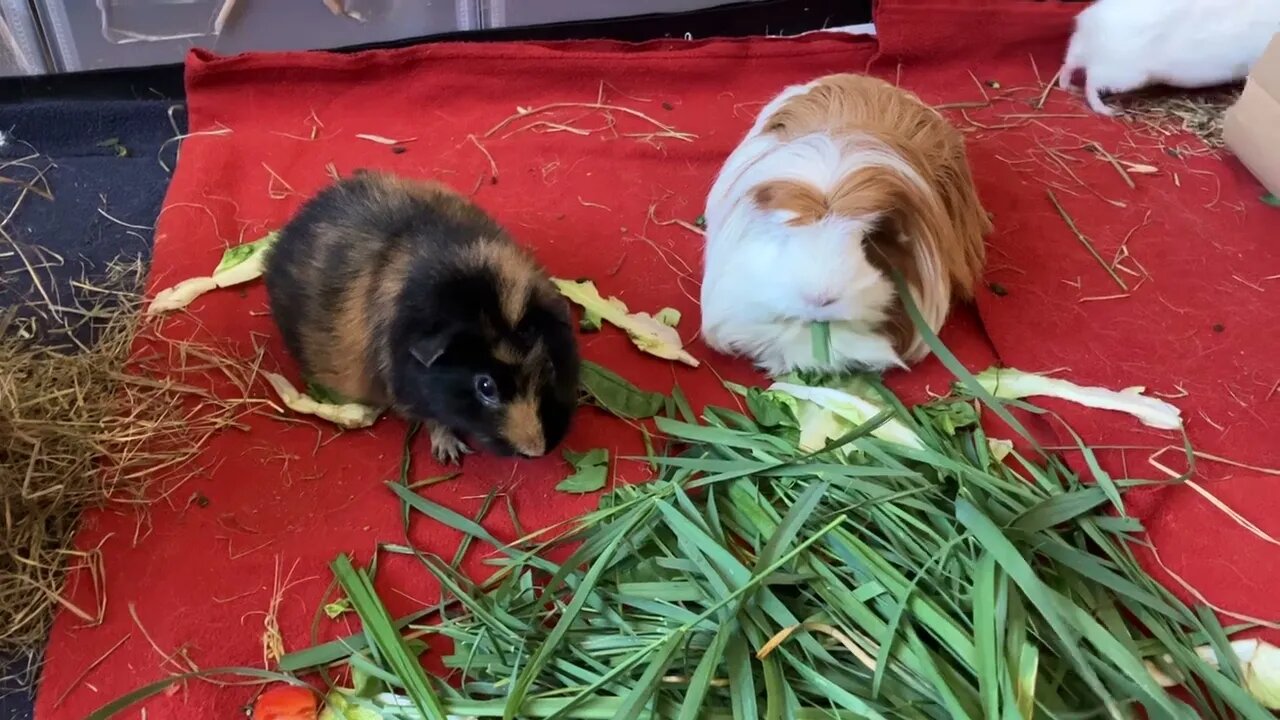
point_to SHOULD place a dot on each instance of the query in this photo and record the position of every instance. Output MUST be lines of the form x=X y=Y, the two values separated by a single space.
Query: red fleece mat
x=201 y=577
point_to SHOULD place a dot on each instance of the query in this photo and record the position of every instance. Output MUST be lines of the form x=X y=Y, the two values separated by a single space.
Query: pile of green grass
x=754 y=580
x=751 y=579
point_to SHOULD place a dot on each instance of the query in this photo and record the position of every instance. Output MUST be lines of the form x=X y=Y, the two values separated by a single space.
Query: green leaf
x=1059 y=509
x=1270 y=199
x=335 y=650
x=239 y=254
x=591 y=321
x=837 y=694
x=770 y=410
x=668 y=316
x=590 y=471
x=682 y=405
x=986 y=636
x=335 y=609
x=742 y=684
x=461 y=523
x=700 y=683
x=950 y=418
x=613 y=393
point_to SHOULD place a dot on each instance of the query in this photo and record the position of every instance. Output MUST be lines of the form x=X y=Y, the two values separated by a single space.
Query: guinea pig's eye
x=486 y=390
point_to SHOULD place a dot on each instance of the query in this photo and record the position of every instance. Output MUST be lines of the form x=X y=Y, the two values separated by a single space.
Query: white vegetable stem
x=350 y=415
x=1011 y=384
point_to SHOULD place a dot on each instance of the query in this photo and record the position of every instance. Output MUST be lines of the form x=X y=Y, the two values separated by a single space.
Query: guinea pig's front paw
x=447 y=447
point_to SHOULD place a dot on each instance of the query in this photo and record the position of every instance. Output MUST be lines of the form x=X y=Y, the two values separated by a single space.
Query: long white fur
x=1126 y=45
x=758 y=268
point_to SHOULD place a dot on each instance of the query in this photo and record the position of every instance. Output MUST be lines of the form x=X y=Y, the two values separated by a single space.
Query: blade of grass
x=461 y=523
x=124 y=702
x=986 y=639
x=388 y=641
x=406 y=466
x=952 y=363
x=742 y=683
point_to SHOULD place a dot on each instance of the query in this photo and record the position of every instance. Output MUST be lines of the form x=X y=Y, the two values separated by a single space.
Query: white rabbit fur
x=1126 y=45
x=770 y=274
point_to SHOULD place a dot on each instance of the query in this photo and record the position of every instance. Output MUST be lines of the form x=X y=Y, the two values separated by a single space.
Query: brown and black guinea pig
x=402 y=293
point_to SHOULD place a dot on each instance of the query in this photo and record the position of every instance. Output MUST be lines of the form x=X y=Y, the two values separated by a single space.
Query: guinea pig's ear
x=428 y=348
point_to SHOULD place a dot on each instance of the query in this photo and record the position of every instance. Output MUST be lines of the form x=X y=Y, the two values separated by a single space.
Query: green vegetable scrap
x=350 y=416
x=647 y=332
x=1259 y=665
x=340 y=705
x=322 y=394
x=591 y=322
x=612 y=392
x=336 y=609
x=238 y=255
x=590 y=471
x=1271 y=199
x=239 y=264
x=115 y=146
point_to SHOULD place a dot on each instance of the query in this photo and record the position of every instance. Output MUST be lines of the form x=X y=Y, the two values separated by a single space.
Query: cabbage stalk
x=350 y=416
x=240 y=264
x=1010 y=384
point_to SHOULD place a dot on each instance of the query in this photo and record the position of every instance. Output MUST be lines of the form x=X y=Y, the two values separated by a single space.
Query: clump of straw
x=82 y=424
x=1200 y=114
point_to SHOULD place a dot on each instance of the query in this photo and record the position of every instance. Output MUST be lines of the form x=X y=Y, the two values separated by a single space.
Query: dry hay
x=1199 y=114
x=84 y=423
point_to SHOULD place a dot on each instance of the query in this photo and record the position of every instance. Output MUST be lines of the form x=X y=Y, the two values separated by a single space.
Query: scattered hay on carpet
x=85 y=423
x=1200 y=114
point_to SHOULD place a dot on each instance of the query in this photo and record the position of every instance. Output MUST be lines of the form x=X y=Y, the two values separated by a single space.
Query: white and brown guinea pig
x=402 y=293
x=1124 y=45
x=838 y=181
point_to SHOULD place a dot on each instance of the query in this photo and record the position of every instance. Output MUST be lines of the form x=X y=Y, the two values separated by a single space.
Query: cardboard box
x=1251 y=128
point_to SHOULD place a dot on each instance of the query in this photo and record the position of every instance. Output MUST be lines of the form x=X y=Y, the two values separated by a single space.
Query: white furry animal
x=838 y=181
x=1125 y=45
